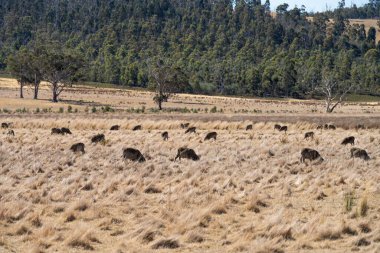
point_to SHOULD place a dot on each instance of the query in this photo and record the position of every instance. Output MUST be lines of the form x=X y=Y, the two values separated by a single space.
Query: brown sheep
x=283 y=129
x=187 y=153
x=348 y=140
x=5 y=125
x=78 y=147
x=136 y=128
x=310 y=154
x=211 y=135
x=332 y=127
x=56 y=131
x=115 y=128
x=360 y=153
x=359 y=126
x=133 y=155
x=277 y=127
x=11 y=132
x=165 y=136
x=185 y=125
x=309 y=135
x=98 y=138
x=190 y=130
x=65 y=130
x=249 y=127
x=319 y=127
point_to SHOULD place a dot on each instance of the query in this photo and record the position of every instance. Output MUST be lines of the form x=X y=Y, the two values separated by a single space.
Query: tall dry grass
x=247 y=193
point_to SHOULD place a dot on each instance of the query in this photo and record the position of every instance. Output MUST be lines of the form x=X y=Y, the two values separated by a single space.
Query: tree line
x=370 y=10
x=229 y=47
x=58 y=66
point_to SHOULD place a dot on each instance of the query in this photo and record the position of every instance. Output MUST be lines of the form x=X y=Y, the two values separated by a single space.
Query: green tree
x=61 y=68
x=20 y=67
x=167 y=80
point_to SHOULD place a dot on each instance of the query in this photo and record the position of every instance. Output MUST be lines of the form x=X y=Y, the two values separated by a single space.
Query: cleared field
x=81 y=97
x=247 y=193
x=368 y=23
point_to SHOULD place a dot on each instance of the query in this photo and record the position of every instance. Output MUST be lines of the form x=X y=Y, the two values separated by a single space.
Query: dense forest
x=232 y=47
x=371 y=10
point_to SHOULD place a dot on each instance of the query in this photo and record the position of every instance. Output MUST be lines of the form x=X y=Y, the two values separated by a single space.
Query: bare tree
x=334 y=91
x=167 y=80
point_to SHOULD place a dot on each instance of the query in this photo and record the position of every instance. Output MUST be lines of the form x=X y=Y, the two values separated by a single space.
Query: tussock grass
x=248 y=192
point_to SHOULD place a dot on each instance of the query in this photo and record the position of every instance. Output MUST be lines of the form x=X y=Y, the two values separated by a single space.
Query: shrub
x=107 y=108
x=153 y=110
x=23 y=110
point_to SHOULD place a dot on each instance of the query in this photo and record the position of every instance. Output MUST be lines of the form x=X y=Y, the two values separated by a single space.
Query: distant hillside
x=224 y=47
x=368 y=23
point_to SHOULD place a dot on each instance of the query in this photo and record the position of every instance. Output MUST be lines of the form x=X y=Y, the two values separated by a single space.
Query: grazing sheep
x=283 y=129
x=191 y=130
x=133 y=155
x=348 y=140
x=211 y=135
x=360 y=153
x=309 y=135
x=277 y=127
x=249 y=127
x=115 y=128
x=78 y=147
x=310 y=154
x=65 y=130
x=11 y=132
x=136 y=128
x=5 y=125
x=165 y=136
x=56 y=131
x=187 y=153
x=332 y=127
x=319 y=127
x=326 y=126
x=98 y=138
x=359 y=126
x=185 y=125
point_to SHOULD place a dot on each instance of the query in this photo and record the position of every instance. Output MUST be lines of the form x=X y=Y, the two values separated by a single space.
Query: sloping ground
x=368 y=23
x=247 y=193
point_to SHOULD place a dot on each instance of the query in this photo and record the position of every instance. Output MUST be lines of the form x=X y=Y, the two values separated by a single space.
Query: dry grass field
x=86 y=97
x=249 y=192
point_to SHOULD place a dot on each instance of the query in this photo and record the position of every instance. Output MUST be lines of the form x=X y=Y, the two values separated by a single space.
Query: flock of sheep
x=187 y=153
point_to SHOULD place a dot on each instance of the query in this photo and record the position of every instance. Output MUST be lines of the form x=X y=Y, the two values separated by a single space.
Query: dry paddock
x=247 y=193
